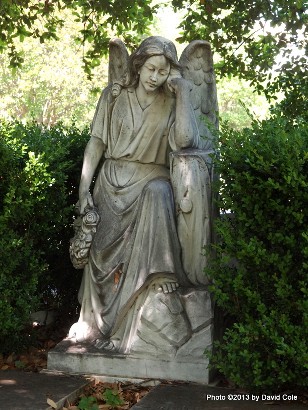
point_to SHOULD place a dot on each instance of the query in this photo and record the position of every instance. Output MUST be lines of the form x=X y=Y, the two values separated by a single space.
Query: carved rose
x=85 y=227
x=91 y=218
x=83 y=253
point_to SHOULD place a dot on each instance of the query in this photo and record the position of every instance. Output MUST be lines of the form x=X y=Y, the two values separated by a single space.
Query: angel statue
x=143 y=286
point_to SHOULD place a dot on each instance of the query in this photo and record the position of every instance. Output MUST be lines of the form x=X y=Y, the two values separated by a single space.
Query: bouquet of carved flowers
x=85 y=228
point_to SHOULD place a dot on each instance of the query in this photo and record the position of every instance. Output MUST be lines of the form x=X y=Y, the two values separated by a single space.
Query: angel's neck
x=145 y=98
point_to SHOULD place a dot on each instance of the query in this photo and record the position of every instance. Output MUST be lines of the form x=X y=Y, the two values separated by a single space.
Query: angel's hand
x=85 y=200
x=180 y=85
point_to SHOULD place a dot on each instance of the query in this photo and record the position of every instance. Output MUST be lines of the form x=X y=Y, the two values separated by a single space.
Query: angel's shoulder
x=110 y=94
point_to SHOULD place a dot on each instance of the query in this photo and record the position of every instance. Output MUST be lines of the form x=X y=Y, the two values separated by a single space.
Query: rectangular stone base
x=69 y=357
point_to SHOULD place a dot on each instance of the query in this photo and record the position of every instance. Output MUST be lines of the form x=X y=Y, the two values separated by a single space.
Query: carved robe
x=136 y=239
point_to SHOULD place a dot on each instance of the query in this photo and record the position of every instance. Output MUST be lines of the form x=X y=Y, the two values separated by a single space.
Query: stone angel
x=143 y=281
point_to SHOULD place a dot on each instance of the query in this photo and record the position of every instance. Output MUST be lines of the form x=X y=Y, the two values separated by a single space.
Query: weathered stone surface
x=198 y=306
x=143 y=295
x=77 y=358
x=197 y=344
x=164 y=319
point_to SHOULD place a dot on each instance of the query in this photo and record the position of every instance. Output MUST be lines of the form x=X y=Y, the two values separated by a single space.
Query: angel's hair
x=151 y=46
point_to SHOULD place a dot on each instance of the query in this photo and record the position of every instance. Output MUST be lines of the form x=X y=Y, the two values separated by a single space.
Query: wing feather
x=198 y=68
x=118 y=60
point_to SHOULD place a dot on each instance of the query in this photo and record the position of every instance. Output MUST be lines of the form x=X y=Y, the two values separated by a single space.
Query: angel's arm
x=118 y=60
x=186 y=129
x=94 y=149
x=92 y=155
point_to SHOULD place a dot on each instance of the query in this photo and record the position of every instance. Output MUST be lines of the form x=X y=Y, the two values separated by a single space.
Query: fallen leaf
x=124 y=406
x=33 y=350
x=39 y=362
x=5 y=367
x=10 y=359
x=24 y=359
x=51 y=403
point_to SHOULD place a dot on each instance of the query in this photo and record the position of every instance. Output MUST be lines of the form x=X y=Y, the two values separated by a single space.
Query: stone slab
x=85 y=359
x=21 y=390
x=200 y=397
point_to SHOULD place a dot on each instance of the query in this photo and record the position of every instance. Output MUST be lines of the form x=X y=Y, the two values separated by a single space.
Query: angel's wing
x=118 y=60
x=192 y=170
x=197 y=65
x=118 y=63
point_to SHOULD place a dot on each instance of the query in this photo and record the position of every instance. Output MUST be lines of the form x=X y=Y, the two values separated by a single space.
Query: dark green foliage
x=260 y=41
x=39 y=176
x=250 y=38
x=260 y=275
x=98 y=20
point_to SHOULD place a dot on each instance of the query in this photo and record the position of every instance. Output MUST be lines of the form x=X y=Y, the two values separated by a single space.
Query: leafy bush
x=260 y=274
x=39 y=176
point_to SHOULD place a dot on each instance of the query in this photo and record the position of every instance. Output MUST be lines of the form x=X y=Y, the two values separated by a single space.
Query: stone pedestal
x=80 y=358
x=172 y=334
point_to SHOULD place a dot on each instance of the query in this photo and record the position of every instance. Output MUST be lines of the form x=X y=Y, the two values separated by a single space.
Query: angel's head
x=152 y=47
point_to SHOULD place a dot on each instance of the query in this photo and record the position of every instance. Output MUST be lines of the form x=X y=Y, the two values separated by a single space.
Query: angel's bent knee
x=158 y=187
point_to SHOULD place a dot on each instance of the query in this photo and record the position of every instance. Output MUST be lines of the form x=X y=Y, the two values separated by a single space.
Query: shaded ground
x=169 y=395
x=34 y=358
x=19 y=388
x=200 y=397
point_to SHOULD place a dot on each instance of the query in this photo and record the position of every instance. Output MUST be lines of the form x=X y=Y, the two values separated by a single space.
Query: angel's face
x=154 y=73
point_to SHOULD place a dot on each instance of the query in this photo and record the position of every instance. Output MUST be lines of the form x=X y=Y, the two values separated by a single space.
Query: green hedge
x=39 y=176
x=260 y=274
